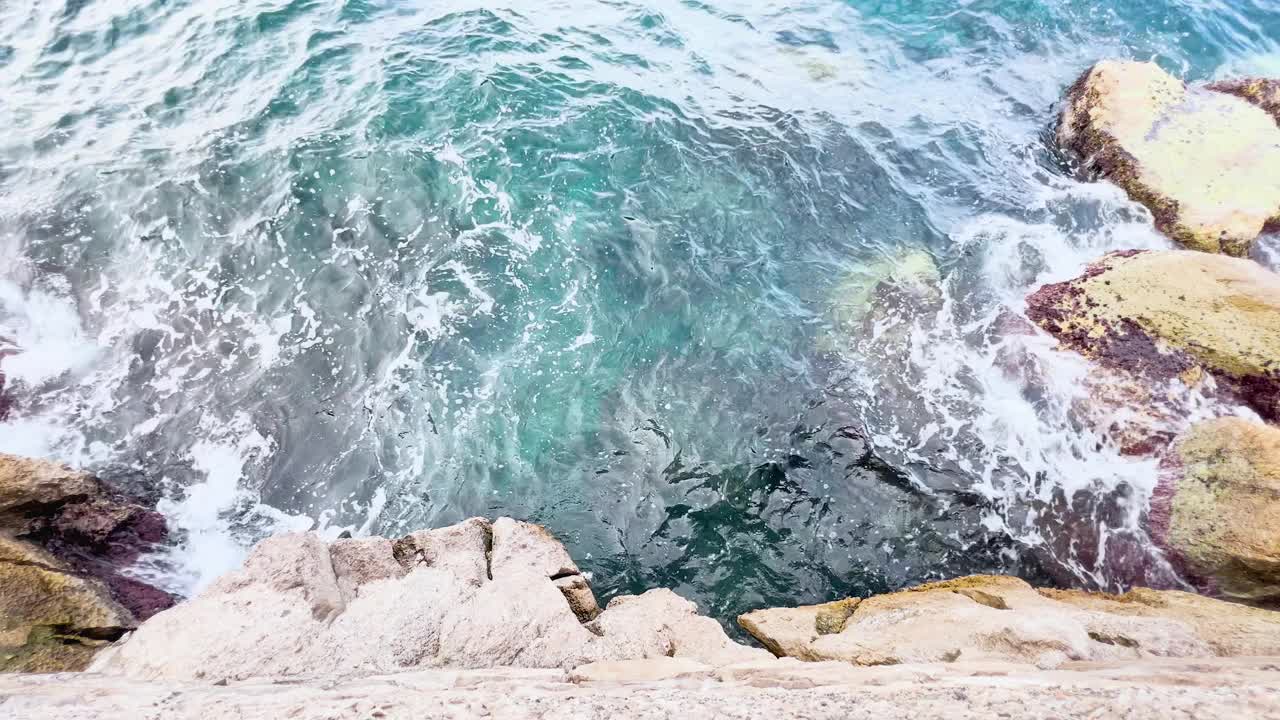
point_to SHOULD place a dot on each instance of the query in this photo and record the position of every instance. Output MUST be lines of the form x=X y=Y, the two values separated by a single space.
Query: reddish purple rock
x=97 y=532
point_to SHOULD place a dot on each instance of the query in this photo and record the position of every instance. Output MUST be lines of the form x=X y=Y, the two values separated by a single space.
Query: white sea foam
x=999 y=399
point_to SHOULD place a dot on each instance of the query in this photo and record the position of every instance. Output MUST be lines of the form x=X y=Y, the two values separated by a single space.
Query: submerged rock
x=1202 y=161
x=891 y=291
x=64 y=539
x=1216 y=508
x=475 y=594
x=996 y=618
x=1174 y=316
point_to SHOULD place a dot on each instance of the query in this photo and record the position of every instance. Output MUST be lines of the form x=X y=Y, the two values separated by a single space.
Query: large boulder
x=65 y=542
x=51 y=619
x=995 y=618
x=1216 y=508
x=1174 y=316
x=475 y=594
x=1202 y=161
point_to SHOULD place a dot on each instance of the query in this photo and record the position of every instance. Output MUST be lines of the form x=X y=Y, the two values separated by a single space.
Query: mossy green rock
x=1174 y=314
x=50 y=619
x=1203 y=162
x=1216 y=508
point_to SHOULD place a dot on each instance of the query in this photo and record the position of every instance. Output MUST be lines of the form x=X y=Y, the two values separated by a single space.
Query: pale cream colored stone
x=524 y=546
x=640 y=670
x=788 y=632
x=658 y=623
x=358 y=561
x=301 y=606
x=1203 y=689
x=1203 y=162
x=1003 y=619
x=461 y=549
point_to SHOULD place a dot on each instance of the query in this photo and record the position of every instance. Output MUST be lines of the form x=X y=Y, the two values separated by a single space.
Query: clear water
x=603 y=265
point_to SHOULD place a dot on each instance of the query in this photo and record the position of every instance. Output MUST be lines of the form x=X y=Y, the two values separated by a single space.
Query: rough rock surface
x=50 y=619
x=788 y=632
x=64 y=538
x=1174 y=316
x=1205 y=689
x=1216 y=508
x=27 y=485
x=525 y=544
x=994 y=618
x=1202 y=161
x=470 y=595
x=1263 y=92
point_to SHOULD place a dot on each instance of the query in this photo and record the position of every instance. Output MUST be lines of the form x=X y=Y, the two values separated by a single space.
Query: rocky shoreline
x=477 y=619
x=1187 y=322
x=494 y=616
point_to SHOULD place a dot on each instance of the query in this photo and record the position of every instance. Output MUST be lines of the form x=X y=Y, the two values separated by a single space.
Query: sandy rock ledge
x=1003 y=619
x=1212 y=689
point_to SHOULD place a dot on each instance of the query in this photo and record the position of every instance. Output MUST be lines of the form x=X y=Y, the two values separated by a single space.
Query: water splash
x=374 y=265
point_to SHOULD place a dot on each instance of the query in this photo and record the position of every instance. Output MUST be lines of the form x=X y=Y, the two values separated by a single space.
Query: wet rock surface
x=1198 y=320
x=65 y=539
x=1200 y=160
x=1216 y=508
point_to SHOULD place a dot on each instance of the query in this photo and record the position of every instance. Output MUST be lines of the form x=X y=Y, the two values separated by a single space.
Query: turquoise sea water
x=602 y=265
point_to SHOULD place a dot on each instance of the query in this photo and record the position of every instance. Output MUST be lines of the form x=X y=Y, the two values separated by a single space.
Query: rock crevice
x=64 y=538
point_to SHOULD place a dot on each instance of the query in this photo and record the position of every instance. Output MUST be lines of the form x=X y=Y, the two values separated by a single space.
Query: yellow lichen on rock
x=1199 y=312
x=1218 y=506
x=50 y=619
x=786 y=632
x=1203 y=162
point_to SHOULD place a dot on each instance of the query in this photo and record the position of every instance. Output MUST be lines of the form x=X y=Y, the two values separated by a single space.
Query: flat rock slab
x=985 y=618
x=1203 y=162
x=1151 y=689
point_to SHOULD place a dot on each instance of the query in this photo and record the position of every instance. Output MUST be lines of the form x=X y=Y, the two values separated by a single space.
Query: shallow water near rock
x=606 y=266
